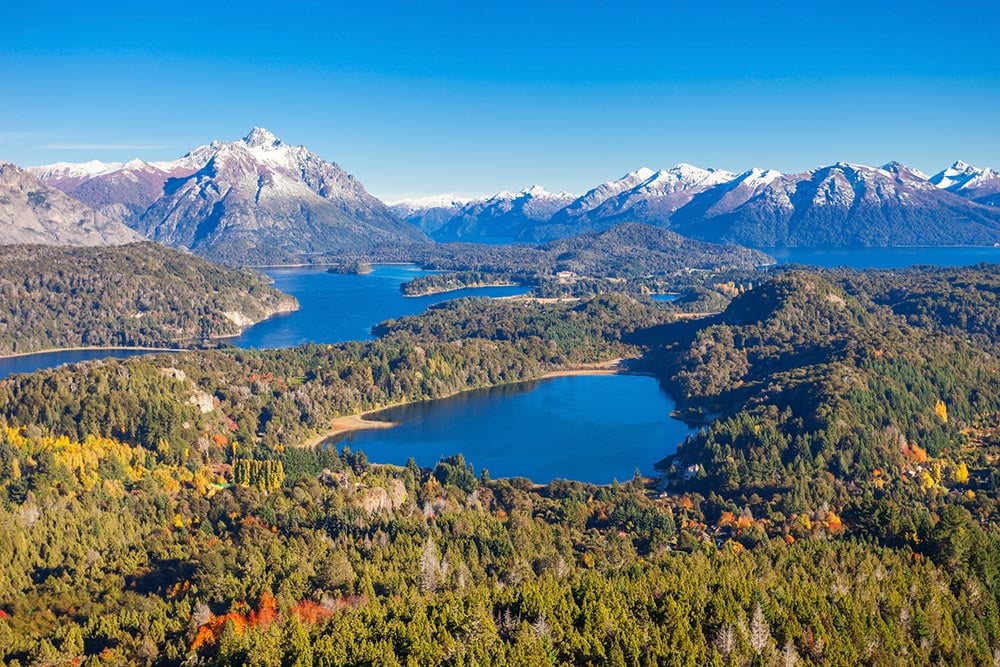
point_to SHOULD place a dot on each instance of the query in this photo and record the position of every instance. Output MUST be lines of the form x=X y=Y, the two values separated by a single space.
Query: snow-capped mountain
x=33 y=212
x=836 y=205
x=120 y=190
x=431 y=213
x=847 y=205
x=254 y=200
x=980 y=185
x=643 y=195
x=605 y=191
x=261 y=200
x=661 y=194
x=503 y=215
x=726 y=196
x=123 y=190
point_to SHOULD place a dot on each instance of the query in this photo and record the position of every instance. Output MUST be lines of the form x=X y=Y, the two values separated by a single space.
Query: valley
x=514 y=334
x=832 y=500
x=841 y=456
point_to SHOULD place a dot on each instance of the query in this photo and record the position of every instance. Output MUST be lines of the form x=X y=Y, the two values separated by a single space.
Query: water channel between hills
x=334 y=309
x=587 y=428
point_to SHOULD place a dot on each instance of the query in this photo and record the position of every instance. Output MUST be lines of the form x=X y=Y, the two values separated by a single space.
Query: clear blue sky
x=473 y=97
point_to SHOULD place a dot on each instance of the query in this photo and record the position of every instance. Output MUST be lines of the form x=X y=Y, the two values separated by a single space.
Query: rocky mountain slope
x=502 y=215
x=120 y=189
x=259 y=200
x=33 y=212
x=980 y=185
x=849 y=205
x=429 y=214
x=252 y=201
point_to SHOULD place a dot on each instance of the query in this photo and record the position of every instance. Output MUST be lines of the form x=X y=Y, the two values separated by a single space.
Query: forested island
x=629 y=257
x=840 y=510
x=136 y=295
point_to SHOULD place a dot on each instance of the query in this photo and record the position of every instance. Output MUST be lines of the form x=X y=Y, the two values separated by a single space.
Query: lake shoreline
x=445 y=290
x=360 y=421
x=96 y=348
x=286 y=309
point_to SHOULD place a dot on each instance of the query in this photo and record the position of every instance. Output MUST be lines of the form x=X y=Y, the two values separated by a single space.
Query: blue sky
x=475 y=97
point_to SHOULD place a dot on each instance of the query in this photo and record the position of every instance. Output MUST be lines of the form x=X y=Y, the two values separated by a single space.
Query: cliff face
x=33 y=212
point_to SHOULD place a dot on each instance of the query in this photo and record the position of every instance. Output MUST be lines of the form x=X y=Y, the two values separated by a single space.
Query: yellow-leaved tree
x=960 y=475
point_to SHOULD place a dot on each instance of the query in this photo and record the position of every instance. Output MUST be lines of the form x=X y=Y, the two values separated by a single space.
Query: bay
x=591 y=428
x=334 y=308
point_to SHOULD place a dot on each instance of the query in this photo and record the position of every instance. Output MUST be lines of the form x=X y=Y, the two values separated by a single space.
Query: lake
x=338 y=308
x=591 y=428
x=885 y=258
x=32 y=362
x=334 y=308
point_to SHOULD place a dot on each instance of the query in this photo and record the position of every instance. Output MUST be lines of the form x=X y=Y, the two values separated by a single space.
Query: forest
x=839 y=507
x=137 y=295
x=630 y=257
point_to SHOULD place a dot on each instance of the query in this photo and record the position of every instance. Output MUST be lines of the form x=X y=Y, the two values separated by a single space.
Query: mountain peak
x=901 y=170
x=642 y=173
x=959 y=165
x=261 y=138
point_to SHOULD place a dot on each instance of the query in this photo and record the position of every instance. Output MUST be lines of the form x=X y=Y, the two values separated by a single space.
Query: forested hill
x=830 y=398
x=842 y=510
x=140 y=294
x=273 y=398
x=626 y=250
x=627 y=257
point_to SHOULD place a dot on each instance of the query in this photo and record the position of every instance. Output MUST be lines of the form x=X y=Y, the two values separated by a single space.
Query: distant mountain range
x=258 y=200
x=255 y=200
x=838 y=205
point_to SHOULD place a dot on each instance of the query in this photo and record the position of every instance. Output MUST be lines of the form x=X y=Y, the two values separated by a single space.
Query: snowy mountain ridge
x=692 y=199
x=252 y=200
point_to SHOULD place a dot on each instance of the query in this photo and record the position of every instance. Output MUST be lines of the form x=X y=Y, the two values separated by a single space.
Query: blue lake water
x=885 y=258
x=337 y=308
x=591 y=428
x=33 y=362
x=334 y=308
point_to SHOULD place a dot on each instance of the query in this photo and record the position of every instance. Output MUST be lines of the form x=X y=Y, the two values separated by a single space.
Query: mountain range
x=255 y=200
x=838 y=205
x=258 y=200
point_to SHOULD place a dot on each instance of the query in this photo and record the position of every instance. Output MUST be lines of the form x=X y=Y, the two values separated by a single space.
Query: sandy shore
x=541 y=299
x=347 y=424
x=612 y=367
